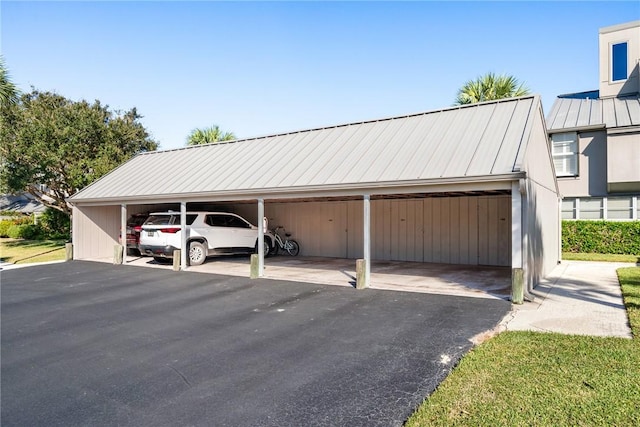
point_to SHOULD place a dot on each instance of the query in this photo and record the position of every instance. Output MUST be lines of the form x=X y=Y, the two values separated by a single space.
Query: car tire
x=197 y=253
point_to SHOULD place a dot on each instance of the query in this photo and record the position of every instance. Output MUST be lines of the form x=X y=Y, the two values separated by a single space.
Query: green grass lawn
x=544 y=379
x=570 y=256
x=17 y=251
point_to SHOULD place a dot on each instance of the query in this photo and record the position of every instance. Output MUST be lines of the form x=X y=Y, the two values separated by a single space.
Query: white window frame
x=626 y=72
x=565 y=155
x=577 y=211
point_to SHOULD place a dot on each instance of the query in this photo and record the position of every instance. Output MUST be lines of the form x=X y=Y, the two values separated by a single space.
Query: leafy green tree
x=490 y=87
x=209 y=135
x=8 y=91
x=52 y=147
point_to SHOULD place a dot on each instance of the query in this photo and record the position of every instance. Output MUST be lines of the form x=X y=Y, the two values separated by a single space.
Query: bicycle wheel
x=292 y=247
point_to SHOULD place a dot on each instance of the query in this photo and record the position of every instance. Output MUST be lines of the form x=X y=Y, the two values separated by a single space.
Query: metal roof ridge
x=405 y=116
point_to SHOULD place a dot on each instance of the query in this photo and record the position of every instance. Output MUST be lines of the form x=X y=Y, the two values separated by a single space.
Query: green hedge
x=25 y=231
x=51 y=224
x=604 y=237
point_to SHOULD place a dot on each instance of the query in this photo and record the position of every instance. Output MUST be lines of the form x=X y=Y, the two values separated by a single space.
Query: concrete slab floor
x=578 y=297
x=442 y=279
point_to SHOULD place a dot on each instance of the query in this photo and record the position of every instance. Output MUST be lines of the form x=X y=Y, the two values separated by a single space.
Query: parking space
x=442 y=279
x=87 y=343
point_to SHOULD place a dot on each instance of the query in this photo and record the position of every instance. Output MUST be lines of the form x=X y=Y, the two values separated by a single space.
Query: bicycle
x=291 y=246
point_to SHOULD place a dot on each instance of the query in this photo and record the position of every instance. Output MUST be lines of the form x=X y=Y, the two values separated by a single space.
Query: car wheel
x=197 y=253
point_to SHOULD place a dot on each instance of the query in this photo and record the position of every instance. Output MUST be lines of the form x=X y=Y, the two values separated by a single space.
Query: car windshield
x=172 y=219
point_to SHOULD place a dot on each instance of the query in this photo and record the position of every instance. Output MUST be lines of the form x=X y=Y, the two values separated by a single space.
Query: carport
x=468 y=185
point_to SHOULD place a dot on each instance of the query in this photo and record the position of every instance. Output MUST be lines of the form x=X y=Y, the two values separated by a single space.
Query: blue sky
x=258 y=68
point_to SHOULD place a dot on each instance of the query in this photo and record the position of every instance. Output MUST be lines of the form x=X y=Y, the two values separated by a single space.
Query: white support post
x=184 y=250
x=367 y=239
x=518 y=273
x=260 y=237
x=123 y=231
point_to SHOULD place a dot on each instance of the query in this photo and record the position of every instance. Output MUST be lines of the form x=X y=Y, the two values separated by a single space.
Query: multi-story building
x=595 y=135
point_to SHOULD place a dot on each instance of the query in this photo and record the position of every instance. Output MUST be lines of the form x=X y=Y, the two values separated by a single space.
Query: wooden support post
x=361 y=274
x=254 y=273
x=517 y=286
x=117 y=254
x=177 y=259
x=68 y=251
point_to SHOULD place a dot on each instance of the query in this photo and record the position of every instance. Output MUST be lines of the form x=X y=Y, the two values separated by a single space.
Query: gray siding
x=592 y=167
x=623 y=162
x=541 y=210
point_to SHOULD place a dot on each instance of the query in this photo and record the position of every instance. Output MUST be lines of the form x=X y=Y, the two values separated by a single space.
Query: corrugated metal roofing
x=571 y=113
x=466 y=141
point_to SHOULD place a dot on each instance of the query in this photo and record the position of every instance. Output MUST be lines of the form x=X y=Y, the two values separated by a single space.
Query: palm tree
x=8 y=91
x=490 y=87
x=209 y=135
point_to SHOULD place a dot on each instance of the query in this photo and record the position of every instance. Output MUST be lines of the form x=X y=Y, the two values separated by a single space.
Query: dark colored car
x=134 y=226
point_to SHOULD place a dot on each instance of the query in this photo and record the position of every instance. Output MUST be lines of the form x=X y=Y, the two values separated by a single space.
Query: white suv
x=208 y=233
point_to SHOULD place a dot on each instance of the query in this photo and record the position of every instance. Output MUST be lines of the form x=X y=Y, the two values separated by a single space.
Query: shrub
x=55 y=224
x=18 y=220
x=25 y=231
x=4 y=227
x=605 y=237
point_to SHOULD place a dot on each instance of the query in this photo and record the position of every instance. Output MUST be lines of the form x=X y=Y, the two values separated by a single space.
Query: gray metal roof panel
x=481 y=139
x=569 y=113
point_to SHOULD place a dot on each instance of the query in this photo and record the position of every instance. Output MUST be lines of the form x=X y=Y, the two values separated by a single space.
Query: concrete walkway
x=579 y=297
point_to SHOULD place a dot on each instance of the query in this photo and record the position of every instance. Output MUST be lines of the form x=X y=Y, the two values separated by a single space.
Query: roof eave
x=493 y=182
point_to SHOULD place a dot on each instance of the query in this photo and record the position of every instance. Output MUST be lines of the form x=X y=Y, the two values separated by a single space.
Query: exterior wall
x=629 y=33
x=623 y=162
x=541 y=209
x=592 y=167
x=96 y=229
x=455 y=230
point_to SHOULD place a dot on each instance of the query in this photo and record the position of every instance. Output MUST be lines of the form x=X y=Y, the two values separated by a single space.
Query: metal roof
x=458 y=143
x=573 y=114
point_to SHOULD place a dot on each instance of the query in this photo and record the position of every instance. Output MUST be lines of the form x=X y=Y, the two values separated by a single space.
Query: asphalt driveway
x=95 y=344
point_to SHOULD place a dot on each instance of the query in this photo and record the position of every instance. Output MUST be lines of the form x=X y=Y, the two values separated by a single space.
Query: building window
x=565 y=153
x=620 y=208
x=619 y=61
x=591 y=208
x=569 y=209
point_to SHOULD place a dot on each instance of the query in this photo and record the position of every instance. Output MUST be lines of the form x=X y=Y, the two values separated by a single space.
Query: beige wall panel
x=319 y=227
x=455 y=246
x=463 y=230
x=473 y=235
x=355 y=229
x=416 y=230
x=428 y=236
x=504 y=231
x=446 y=230
x=96 y=229
x=494 y=228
